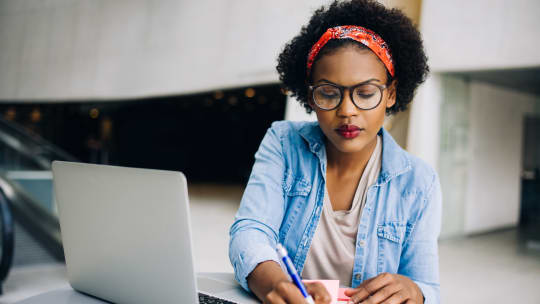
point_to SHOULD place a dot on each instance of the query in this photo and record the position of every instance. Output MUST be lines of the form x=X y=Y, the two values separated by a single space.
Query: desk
x=218 y=284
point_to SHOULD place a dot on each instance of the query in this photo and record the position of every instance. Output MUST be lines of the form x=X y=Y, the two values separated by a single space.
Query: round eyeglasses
x=365 y=96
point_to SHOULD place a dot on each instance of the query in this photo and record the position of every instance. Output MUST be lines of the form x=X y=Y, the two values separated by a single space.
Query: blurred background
x=192 y=86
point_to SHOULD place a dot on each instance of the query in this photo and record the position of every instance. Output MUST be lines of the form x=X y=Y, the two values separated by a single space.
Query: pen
x=284 y=256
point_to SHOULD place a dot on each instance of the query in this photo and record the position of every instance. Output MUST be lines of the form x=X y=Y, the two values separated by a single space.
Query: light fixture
x=218 y=95
x=250 y=92
x=35 y=115
x=10 y=114
x=94 y=113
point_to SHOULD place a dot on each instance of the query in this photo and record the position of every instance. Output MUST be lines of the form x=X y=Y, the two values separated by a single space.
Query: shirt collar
x=395 y=161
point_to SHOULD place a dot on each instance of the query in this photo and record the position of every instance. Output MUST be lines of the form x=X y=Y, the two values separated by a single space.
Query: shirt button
x=362 y=243
x=358 y=276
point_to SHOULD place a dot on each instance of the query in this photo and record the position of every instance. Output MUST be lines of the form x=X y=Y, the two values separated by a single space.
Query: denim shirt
x=283 y=200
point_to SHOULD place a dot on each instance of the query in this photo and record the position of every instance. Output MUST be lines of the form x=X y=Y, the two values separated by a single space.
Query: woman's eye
x=365 y=94
x=366 y=91
x=329 y=94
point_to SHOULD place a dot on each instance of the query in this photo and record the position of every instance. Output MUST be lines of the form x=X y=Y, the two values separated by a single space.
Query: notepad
x=336 y=293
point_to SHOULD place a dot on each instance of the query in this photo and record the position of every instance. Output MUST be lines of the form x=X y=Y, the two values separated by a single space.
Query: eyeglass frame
x=381 y=88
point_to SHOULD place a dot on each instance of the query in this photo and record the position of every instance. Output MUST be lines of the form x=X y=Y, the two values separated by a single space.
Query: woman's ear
x=391 y=99
x=310 y=103
x=309 y=98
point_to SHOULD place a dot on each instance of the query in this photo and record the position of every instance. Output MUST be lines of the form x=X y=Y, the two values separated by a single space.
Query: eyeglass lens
x=365 y=96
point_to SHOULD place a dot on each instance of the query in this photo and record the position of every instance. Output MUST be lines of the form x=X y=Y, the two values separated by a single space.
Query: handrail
x=42 y=224
x=7 y=238
x=31 y=145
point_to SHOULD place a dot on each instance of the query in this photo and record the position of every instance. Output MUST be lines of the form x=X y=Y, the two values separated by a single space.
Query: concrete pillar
x=398 y=124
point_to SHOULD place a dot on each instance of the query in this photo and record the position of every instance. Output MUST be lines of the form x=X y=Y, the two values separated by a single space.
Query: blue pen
x=284 y=256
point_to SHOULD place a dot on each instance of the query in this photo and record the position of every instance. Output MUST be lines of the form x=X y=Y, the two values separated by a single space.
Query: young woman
x=343 y=198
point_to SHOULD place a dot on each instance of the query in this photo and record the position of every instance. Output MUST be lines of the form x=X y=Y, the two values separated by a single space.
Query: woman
x=344 y=199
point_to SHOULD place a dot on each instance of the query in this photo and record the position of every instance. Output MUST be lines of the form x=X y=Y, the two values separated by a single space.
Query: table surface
x=70 y=296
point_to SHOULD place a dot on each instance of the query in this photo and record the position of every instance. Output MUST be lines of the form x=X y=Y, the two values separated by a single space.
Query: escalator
x=30 y=231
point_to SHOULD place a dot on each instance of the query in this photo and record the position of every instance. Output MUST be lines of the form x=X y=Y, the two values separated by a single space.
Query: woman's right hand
x=271 y=285
x=285 y=291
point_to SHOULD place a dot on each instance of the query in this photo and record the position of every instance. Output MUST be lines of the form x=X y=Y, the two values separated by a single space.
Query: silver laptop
x=126 y=234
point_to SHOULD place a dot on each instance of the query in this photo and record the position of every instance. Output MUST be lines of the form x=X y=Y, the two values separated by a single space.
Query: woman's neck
x=344 y=163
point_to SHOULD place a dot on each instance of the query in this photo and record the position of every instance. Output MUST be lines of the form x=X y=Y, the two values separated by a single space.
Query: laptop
x=127 y=238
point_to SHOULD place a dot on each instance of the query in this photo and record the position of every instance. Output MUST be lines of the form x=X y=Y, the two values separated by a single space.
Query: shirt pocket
x=296 y=185
x=390 y=236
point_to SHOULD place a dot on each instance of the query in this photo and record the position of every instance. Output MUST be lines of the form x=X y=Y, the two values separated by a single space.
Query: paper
x=342 y=298
x=331 y=285
x=336 y=293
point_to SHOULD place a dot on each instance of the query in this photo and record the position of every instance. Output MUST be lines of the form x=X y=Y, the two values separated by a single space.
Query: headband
x=359 y=34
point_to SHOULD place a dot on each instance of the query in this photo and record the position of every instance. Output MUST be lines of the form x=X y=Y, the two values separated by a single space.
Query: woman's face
x=348 y=128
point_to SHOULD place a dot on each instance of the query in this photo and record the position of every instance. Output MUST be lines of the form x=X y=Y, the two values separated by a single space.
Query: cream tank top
x=332 y=250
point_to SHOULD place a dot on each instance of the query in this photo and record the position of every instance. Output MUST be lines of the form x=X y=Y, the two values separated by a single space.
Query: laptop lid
x=126 y=232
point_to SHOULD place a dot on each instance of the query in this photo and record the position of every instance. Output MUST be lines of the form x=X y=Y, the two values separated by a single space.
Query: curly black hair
x=396 y=29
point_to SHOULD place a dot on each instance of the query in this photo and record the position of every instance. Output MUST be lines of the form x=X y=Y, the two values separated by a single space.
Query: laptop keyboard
x=207 y=299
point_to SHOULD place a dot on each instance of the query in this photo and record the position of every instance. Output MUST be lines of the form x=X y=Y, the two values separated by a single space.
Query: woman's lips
x=349 y=131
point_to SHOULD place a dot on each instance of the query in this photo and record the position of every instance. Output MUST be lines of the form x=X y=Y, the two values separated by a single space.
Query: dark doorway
x=530 y=192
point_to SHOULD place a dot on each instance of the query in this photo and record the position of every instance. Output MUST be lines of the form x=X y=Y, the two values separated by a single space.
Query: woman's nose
x=347 y=107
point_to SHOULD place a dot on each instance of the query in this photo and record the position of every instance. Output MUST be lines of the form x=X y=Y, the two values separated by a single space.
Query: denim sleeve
x=419 y=257
x=254 y=233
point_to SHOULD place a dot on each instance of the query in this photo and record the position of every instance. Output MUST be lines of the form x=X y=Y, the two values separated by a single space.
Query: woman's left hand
x=388 y=289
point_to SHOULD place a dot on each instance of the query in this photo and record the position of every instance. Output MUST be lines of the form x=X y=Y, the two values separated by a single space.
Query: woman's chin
x=349 y=145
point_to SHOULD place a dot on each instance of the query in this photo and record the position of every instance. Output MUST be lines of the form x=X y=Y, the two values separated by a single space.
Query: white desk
x=218 y=284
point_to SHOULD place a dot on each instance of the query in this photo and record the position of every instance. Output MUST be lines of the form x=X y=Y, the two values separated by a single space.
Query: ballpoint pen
x=284 y=256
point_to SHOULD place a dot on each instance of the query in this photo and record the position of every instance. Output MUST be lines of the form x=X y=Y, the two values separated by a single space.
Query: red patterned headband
x=357 y=33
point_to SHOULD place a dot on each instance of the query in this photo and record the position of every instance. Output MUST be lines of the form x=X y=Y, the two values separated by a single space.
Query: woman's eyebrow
x=328 y=81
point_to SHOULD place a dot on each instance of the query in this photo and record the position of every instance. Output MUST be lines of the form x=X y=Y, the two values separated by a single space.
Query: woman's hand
x=388 y=289
x=272 y=285
x=286 y=292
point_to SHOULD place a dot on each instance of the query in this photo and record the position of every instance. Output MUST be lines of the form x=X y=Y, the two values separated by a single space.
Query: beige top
x=331 y=255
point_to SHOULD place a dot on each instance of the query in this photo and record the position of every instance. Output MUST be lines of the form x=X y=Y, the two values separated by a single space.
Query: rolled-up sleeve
x=254 y=233
x=420 y=257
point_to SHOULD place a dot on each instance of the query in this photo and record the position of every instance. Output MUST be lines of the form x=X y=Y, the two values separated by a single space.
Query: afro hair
x=396 y=29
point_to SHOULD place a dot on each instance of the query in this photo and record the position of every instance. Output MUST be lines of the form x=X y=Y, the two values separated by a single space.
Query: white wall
x=64 y=49
x=423 y=137
x=296 y=112
x=453 y=157
x=495 y=160
x=481 y=34
x=480 y=125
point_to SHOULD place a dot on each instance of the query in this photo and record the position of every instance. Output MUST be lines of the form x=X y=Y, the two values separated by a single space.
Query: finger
x=382 y=294
x=273 y=298
x=350 y=291
x=319 y=293
x=368 y=288
x=289 y=292
x=396 y=298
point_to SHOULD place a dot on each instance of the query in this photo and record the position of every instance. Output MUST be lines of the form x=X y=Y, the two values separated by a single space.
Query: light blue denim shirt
x=283 y=200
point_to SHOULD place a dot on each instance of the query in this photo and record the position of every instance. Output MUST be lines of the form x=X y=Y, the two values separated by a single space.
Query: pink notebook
x=337 y=294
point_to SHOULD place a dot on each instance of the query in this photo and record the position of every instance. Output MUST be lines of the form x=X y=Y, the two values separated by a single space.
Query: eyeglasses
x=365 y=96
